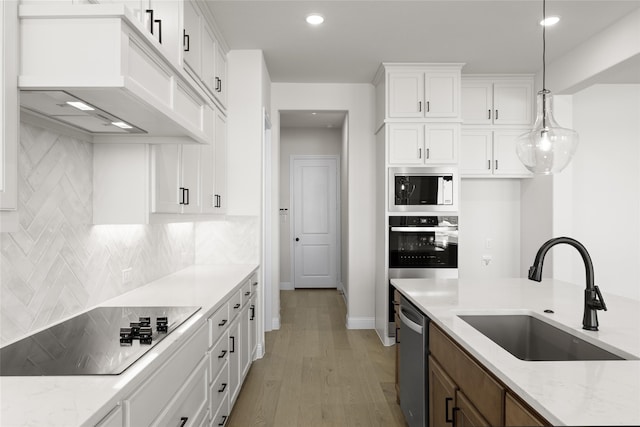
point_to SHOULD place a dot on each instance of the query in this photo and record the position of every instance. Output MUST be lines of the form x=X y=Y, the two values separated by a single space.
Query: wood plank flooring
x=317 y=373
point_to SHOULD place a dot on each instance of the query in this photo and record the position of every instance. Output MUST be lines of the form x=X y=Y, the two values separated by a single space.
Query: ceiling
x=489 y=36
x=312 y=119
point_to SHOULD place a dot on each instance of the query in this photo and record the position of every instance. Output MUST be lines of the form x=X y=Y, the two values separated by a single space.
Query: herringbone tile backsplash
x=58 y=264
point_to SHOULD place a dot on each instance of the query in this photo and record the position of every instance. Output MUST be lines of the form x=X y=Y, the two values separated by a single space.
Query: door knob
x=297 y=239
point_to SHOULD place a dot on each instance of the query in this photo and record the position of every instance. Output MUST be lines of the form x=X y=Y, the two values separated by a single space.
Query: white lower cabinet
x=168 y=386
x=253 y=327
x=222 y=415
x=189 y=407
x=235 y=339
x=245 y=344
x=486 y=153
x=219 y=389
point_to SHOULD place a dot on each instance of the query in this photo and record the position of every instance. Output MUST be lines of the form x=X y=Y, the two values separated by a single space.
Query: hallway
x=317 y=373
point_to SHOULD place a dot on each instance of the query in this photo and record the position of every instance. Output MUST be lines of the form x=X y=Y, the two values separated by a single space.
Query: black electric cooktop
x=93 y=343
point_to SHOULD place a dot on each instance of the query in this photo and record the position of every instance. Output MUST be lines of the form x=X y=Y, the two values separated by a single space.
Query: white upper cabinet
x=489 y=101
x=204 y=58
x=9 y=126
x=487 y=153
x=417 y=92
x=214 y=169
x=420 y=144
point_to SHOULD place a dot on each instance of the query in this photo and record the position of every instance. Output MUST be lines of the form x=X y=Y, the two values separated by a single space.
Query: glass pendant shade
x=547 y=148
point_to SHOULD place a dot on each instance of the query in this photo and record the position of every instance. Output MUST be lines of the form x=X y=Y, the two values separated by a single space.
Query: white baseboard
x=361 y=322
x=275 y=323
x=386 y=341
x=259 y=351
x=286 y=286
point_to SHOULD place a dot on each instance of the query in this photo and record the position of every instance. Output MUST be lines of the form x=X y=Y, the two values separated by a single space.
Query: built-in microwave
x=423 y=189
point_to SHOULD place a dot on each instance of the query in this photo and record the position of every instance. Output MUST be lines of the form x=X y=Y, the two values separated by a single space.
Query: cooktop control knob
x=162 y=324
x=145 y=321
x=126 y=337
x=135 y=329
x=145 y=334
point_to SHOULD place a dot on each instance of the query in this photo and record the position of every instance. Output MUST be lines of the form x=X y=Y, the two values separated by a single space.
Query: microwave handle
x=423 y=229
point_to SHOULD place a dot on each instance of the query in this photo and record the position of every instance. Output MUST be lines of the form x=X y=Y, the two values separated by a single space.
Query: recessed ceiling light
x=552 y=20
x=80 y=105
x=314 y=113
x=315 y=19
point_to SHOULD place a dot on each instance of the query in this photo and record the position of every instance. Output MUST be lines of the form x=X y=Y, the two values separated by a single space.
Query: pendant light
x=547 y=148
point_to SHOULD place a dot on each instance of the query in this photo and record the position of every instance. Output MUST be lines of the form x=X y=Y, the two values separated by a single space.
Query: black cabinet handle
x=223 y=354
x=496 y=114
x=182 y=195
x=446 y=409
x=428 y=107
x=237 y=306
x=397 y=335
x=246 y=294
x=224 y=322
x=218 y=200
x=489 y=117
x=224 y=420
x=218 y=84
x=159 y=22
x=224 y=387
x=187 y=192
x=150 y=12
x=255 y=283
x=253 y=312
x=183 y=421
x=420 y=106
x=185 y=41
x=496 y=164
x=233 y=345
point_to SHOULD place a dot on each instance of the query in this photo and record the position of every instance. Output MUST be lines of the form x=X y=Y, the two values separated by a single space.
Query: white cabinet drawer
x=153 y=396
x=191 y=403
x=220 y=388
x=235 y=303
x=246 y=292
x=218 y=323
x=221 y=414
x=219 y=356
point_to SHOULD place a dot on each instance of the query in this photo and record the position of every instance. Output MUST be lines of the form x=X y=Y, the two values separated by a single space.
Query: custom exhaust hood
x=95 y=68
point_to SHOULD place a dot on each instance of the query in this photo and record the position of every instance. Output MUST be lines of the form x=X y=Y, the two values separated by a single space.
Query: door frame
x=338 y=253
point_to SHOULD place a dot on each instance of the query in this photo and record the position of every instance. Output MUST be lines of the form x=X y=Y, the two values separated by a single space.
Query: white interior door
x=315 y=224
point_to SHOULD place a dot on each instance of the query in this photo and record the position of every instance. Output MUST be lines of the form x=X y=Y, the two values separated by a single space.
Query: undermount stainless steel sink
x=532 y=339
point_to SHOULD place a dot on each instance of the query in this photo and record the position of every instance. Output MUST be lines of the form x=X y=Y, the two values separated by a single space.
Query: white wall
x=344 y=208
x=604 y=189
x=358 y=101
x=489 y=209
x=299 y=141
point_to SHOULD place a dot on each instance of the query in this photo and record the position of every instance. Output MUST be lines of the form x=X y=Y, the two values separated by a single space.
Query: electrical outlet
x=127 y=275
x=486 y=259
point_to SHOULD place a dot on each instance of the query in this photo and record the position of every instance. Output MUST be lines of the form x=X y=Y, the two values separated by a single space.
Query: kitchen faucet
x=593 y=300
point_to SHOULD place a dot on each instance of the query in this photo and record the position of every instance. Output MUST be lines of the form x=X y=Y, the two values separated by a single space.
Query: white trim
x=292 y=160
x=267 y=238
x=361 y=322
x=259 y=352
x=275 y=323
x=386 y=341
x=286 y=286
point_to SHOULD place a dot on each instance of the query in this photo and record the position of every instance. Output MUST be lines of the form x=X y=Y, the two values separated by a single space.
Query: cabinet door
x=406 y=143
x=220 y=194
x=441 y=144
x=441 y=95
x=516 y=414
x=191 y=169
x=505 y=158
x=165 y=173
x=9 y=120
x=513 y=102
x=166 y=26
x=208 y=75
x=405 y=94
x=477 y=102
x=442 y=394
x=220 y=90
x=476 y=148
x=235 y=341
x=245 y=345
x=192 y=42
x=466 y=415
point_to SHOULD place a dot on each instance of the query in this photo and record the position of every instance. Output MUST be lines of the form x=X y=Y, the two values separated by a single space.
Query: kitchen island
x=85 y=400
x=563 y=392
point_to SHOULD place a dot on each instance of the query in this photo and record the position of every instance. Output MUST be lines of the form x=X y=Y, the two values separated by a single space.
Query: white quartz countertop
x=83 y=400
x=567 y=392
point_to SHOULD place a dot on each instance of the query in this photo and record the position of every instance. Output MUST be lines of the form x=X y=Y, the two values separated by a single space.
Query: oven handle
x=412 y=325
x=422 y=229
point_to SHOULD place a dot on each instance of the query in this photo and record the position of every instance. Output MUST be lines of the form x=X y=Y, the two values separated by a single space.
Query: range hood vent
x=97 y=69
x=72 y=111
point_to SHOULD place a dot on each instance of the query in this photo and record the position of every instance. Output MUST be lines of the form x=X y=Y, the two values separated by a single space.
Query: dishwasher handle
x=411 y=324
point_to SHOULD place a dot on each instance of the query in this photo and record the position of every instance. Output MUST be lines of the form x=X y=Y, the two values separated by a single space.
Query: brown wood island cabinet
x=463 y=393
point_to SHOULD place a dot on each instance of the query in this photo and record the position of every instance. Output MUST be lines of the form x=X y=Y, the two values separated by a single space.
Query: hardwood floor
x=317 y=373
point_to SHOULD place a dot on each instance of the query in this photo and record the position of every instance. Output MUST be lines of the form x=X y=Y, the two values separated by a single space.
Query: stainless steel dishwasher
x=414 y=385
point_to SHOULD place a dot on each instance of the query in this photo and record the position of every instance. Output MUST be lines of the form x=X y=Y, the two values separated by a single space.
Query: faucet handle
x=598 y=302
